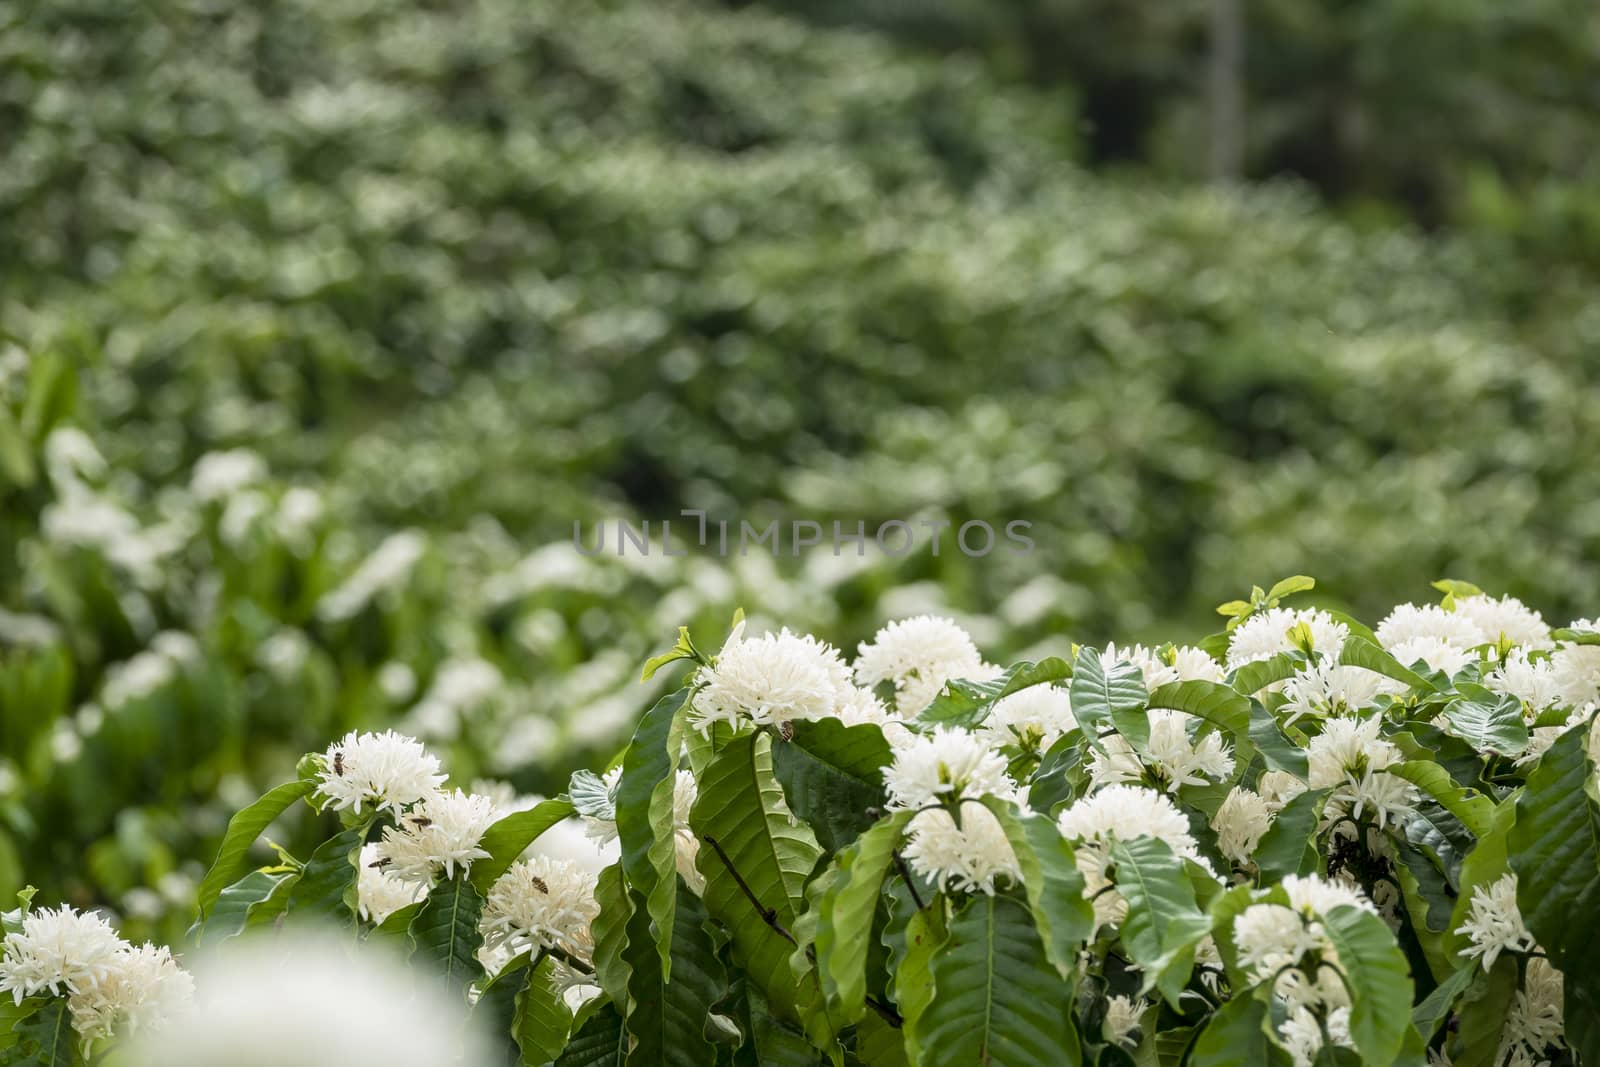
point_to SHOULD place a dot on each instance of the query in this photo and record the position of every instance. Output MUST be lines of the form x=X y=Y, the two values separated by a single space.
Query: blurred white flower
x=1575 y=674
x=218 y=475
x=1277 y=788
x=439 y=834
x=306 y=1000
x=389 y=770
x=772 y=679
x=388 y=568
x=299 y=511
x=396 y=681
x=1303 y=1035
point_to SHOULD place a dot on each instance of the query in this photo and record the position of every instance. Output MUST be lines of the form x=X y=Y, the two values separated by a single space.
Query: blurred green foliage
x=461 y=275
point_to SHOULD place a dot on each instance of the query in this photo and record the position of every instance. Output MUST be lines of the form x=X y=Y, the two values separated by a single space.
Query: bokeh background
x=322 y=322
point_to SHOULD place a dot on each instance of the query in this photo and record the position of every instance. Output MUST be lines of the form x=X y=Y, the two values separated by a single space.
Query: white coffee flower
x=379 y=894
x=1122 y=1020
x=1349 y=757
x=771 y=679
x=1536 y=1020
x=1032 y=718
x=1176 y=758
x=966 y=858
x=1434 y=653
x=947 y=765
x=1313 y=896
x=1156 y=671
x=1575 y=673
x=1412 y=622
x=1507 y=618
x=110 y=986
x=387 y=770
x=862 y=706
x=1196 y=665
x=439 y=834
x=58 y=951
x=1241 y=821
x=143 y=991
x=1121 y=813
x=1270 y=937
x=1531 y=681
x=1494 y=922
x=1326 y=688
x=302 y=1000
x=1266 y=633
x=542 y=903
x=1277 y=788
x=918 y=656
x=218 y=475
x=1303 y=1036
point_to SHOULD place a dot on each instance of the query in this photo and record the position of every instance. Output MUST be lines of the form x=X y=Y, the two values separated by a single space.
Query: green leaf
x=1216 y=704
x=832 y=777
x=1295 y=583
x=745 y=826
x=967 y=703
x=495 y=1010
x=913 y=936
x=602 y=1041
x=772 y=1042
x=1576 y=637
x=1482 y=1017
x=1164 y=923
x=1475 y=810
x=610 y=930
x=996 y=998
x=326 y=887
x=1290 y=842
x=1454 y=589
x=844 y=926
x=878 y=1044
x=445 y=932
x=591 y=796
x=1554 y=848
x=667 y=1019
x=1360 y=652
x=1280 y=753
x=684 y=649
x=243 y=829
x=644 y=815
x=1489 y=726
x=253 y=899
x=11 y=1015
x=46 y=1037
x=1436 y=1007
x=543 y=1021
x=1102 y=698
x=1250 y=678
x=508 y=838
x=1236 y=1036
x=1054 y=887
x=1377 y=978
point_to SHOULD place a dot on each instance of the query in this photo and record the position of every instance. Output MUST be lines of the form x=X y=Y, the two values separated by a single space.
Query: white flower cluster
x=388 y=771
x=1494 y=926
x=918 y=656
x=1289 y=947
x=1350 y=758
x=110 y=985
x=1178 y=754
x=956 y=844
x=1183 y=664
x=1122 y=813
x=1267 y=633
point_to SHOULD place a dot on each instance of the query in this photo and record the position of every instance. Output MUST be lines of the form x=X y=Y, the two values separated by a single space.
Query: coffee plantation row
x=1301 y=841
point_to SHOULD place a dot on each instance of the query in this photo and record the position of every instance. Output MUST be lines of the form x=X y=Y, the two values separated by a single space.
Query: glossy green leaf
x=543 y=1021
x=996 y=998
x=1164 y=924
x=243 y=829
x=508 y=838
x=601 y=1041
x=832 y=777
x=1104 y=697
x=967 y=703
x=847 y=909
x=445 y=932
x=1236 y=1036
x=667 y=1019
x=644 y=815
x=1377 y=978
x=1052 y=883
x=326 y=887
